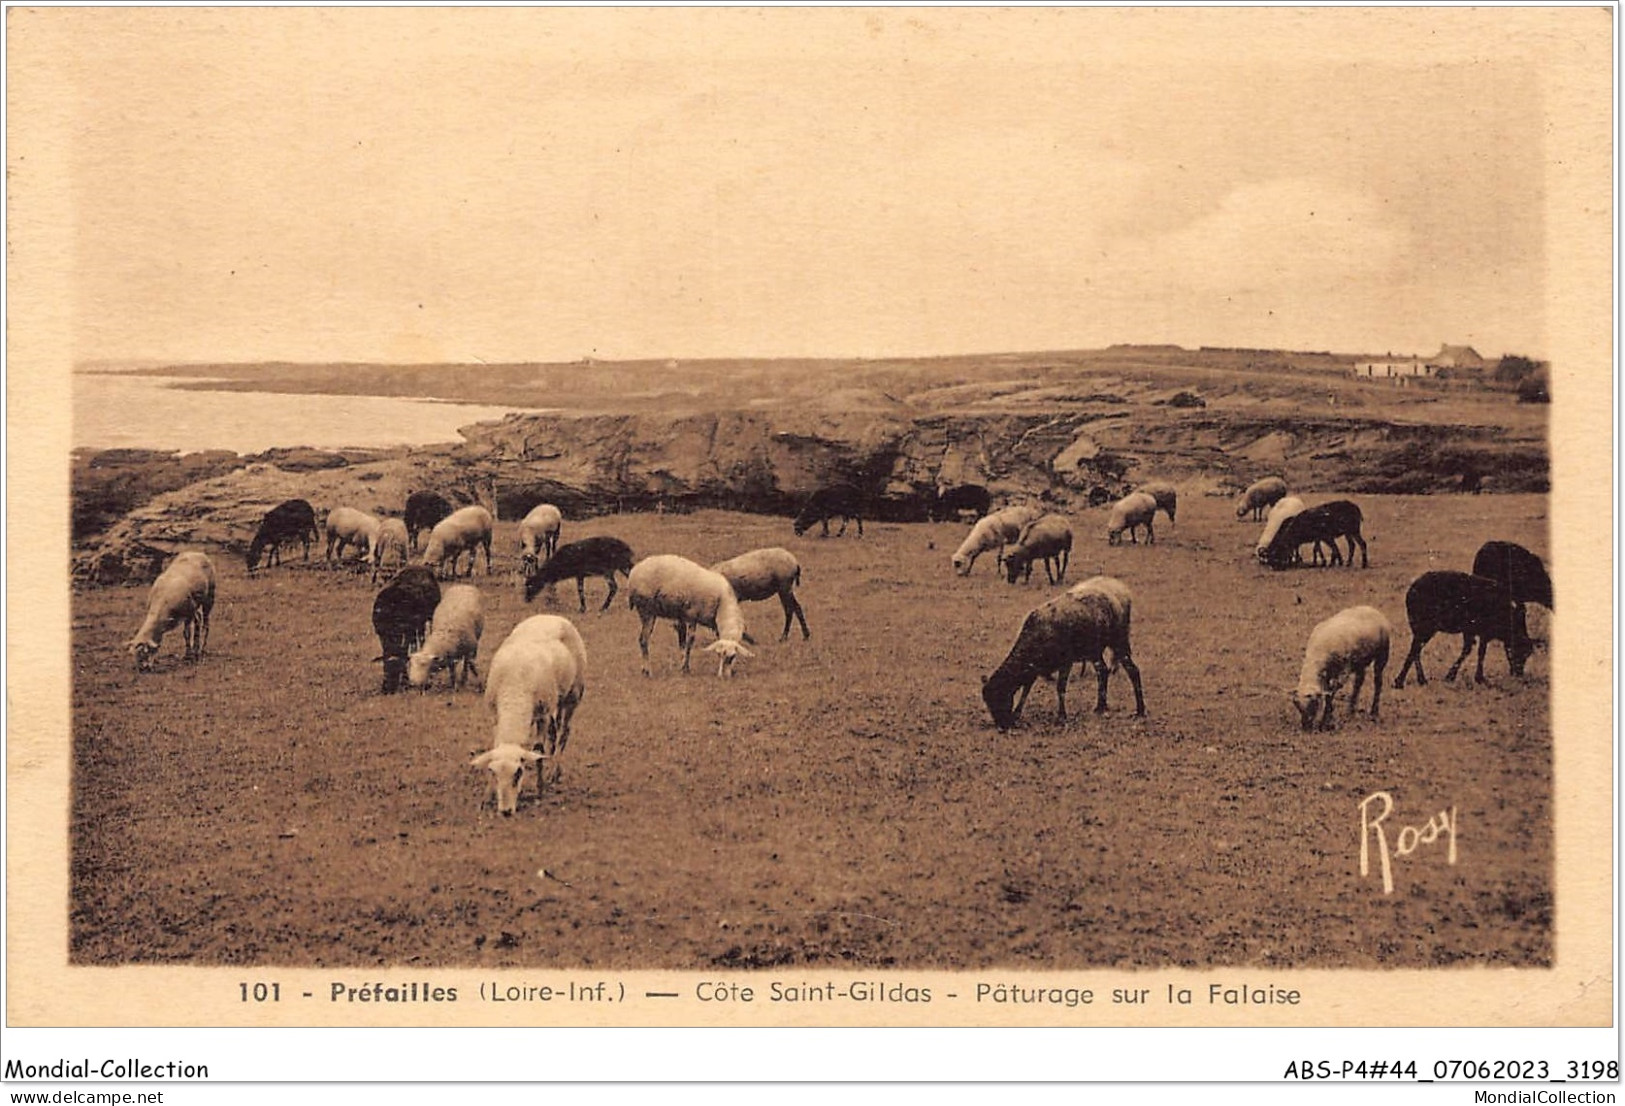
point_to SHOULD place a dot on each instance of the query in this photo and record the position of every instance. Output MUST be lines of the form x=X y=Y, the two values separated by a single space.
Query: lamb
x=1049 y=539
x=1166 y=495
x=461 y=531
x=994 y=531
x=1340 y=518
x=423 y=511
x=600 y=556
x=668 y=586
x=835 y=500
x=347 y=526
x=400 y=618
x=537 y=678
x=1350 y=641
x=1518 y=568
x=1259 y=495
x=291 y=521
x=764 y=573
x=184 y=594
x=1133 y=510
x=392 y=537
x=539 y=534
x=1279 y=513
x=1077 y=626
x=459 y=620
x=1472 y=606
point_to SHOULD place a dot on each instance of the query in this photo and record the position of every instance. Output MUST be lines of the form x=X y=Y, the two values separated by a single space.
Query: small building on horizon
x=1403 y=369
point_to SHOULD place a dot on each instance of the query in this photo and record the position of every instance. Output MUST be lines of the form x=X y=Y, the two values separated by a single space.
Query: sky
x=534 y=184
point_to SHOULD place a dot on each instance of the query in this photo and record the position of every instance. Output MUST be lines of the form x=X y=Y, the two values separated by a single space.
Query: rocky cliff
x=766 y=459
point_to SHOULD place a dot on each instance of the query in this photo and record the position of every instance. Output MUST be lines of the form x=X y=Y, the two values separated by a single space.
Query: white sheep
x=392 y=537
x=184 y=594
x=537 y=678
x=1133 y=510
x=993 y=532
x=464 y=530
x=347 y=526
x=539 y=534
x=454 y=635
x=1279 y=513
x=1350 y=641
x=1259 y=495
x=764 y=573
x=691 y=595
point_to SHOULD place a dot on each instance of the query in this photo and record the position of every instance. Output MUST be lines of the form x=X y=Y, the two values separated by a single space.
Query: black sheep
x=1517 y=568
x=841 y=501
x=949 y=502
x=400 y=618
x=423 y=510
x=580 y=559
x=1340 y=518
x=291 y=521
x=1475 y=607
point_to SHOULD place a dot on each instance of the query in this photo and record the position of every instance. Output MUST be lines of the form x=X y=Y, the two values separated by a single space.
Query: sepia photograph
x=945 y=515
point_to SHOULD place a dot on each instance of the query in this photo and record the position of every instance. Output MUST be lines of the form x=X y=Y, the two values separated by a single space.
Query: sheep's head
x=962 y=565
x=507 y=763
x=1519 y=645
x=1308 y=706
x=1000 y=699
x=142 y=651
x=419 y=667
x=728 y=652
x=1114 y=536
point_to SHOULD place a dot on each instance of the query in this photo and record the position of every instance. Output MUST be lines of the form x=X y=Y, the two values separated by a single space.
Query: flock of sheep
x=537 y=675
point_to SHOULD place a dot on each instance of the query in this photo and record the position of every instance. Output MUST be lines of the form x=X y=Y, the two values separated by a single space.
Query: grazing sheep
x=454 y=635
x=836 y=500
x=1166 y=495
x=1050 y=539
x=1518 y=568
x=1279 y=513
x=423 y=511
x=392 y=536
x=184 y=594
x=539 y=534
x=1472 y=606
x=1259 y=495
x=1133 y=510
x=599 y=556
x=290 y=521
x=764 y=573
x=400 y=618
x=537 y=678
x=461 y=531
x=949 y=503
x=691 y=595
x=347 y=526
x=1340 y=518
x=1078 y=626
x=992 y=532
x=1350 y=641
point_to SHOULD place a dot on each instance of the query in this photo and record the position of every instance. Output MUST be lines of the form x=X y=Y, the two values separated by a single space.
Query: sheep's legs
x=1418 y=642
x=792 y=609
x=1133 y=670
x=1061 y=677
x=581 y=593
x=643 y=640
x=685 y=638
x=1379 y=664
x=1466 y=647
x=609 y=577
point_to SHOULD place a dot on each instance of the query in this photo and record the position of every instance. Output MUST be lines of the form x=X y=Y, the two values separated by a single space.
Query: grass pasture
x=843 y=802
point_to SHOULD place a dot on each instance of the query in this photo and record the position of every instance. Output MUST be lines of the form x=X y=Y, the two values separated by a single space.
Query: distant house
x=1390 y=367
x=1402 y=370
x=1456 y=357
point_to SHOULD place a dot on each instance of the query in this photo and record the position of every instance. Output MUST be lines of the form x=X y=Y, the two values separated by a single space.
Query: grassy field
x=843 y=802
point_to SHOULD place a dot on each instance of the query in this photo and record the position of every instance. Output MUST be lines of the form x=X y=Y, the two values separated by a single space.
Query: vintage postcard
x=809 y=517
